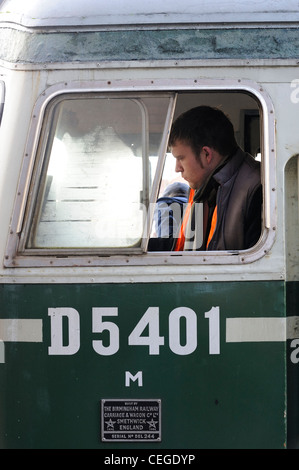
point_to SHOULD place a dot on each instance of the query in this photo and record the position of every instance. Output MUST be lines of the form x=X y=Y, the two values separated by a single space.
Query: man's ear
x=208 y=154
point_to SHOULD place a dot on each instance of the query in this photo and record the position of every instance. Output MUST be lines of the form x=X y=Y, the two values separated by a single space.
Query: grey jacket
x=237 y=193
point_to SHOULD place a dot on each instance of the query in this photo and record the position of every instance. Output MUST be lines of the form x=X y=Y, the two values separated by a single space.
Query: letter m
x=135 y=377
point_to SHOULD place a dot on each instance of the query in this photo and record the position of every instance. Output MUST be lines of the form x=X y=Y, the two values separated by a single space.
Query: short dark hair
x=202 y=126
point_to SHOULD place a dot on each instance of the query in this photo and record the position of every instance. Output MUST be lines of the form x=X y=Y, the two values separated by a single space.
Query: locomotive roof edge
x=116 y=13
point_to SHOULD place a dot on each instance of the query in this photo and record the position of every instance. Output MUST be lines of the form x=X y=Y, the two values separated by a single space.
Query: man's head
x=200 y=139
x=204 y=126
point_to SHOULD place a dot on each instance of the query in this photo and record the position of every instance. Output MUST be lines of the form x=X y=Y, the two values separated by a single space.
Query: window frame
x=93 y=257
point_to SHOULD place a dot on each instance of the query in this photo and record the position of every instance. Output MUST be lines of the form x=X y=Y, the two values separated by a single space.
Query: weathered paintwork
x=173 y=44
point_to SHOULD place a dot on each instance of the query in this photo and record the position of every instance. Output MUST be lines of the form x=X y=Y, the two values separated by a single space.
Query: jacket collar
x=231 y=166
x=221 y=174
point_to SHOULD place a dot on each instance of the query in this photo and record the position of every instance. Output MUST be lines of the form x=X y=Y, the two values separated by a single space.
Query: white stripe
x=255 y=329
x=2 y=352
x=261 y=329
x=24 y=330
x=292 y=327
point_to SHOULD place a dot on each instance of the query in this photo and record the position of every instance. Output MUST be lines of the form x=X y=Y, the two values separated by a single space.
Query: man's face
x=195 y=170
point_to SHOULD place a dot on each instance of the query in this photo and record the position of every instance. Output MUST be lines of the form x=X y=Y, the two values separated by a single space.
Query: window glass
x=97 y=173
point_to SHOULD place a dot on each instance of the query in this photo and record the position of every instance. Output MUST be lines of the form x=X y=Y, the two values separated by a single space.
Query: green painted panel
x=234 y=399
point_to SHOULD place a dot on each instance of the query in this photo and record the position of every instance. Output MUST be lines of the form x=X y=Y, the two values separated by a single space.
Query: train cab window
x=102 y=162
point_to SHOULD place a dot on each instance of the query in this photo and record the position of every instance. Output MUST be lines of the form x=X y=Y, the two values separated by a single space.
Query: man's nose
x=178 y=167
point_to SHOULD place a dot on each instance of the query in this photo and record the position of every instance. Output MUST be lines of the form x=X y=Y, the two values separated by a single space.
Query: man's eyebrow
x=178 y=156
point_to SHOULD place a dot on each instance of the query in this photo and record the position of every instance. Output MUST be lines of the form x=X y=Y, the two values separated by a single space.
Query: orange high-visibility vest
x=181 y=240
x=213 y=226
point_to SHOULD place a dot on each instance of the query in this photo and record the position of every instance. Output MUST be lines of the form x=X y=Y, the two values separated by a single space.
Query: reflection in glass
x=98 y=172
